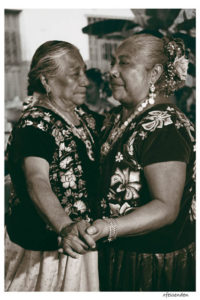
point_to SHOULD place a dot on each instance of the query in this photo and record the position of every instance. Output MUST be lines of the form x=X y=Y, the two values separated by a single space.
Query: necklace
x=117 y=131
x=82 y=132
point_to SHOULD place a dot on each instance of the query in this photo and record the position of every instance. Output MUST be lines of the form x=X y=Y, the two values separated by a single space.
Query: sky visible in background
x=40 y=25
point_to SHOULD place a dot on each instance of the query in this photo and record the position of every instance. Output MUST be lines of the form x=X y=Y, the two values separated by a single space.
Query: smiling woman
x=147 y=182
x=52 y=158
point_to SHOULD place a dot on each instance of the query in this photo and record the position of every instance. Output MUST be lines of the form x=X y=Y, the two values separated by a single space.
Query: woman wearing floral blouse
x=52 y=161
x=148 y=173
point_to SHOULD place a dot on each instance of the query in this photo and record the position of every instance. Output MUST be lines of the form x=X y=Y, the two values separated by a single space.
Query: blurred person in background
x=98 y=92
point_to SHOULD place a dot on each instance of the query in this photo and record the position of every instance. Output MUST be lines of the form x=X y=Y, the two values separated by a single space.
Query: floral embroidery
x=158 y=120
x=28 y=123
x=69 y=179
x=129 y=182
x=143 y=135
x=47 y=117
x=80 y=205
x=72 y=192
x=65 y=162
x=119 y=157
x=192 y=211
x=131 y=140
x=178 y=124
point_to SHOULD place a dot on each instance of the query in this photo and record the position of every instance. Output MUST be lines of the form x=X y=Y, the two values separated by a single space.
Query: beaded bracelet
x=112 y=229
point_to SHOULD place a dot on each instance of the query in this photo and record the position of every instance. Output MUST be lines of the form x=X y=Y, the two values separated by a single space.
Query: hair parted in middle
x=155 y=50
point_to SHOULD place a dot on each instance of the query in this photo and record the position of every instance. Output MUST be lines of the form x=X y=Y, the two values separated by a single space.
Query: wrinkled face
x=129 y=77
x=69 y=84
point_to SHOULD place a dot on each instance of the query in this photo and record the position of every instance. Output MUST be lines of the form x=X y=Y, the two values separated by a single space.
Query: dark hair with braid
x=46 y=62
x=163 y=51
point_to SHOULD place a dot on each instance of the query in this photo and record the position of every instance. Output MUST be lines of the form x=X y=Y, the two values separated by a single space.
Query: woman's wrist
x=112 y=228
x=66 y=229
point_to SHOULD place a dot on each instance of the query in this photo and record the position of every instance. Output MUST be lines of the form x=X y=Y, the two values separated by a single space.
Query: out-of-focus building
x=102 y=47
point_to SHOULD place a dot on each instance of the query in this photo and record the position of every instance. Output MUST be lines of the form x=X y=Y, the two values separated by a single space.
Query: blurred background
x=97 y=33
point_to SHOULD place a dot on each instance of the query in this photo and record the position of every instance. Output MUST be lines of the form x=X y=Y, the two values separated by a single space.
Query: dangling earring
x=152 y=95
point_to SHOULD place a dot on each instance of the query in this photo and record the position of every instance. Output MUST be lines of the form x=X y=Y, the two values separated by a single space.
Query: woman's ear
x=156 y=72
x=45 y=84
x=43 y=81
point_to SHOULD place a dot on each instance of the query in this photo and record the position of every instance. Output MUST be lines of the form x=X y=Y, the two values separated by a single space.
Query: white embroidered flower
x=181 y=66
x=130 y=143
x=65 y=162
x=129 y=182
x=103 y=203
x=47 y=117
x=124 y=208
x=28 y=122
x=69 y=179
x=62 y=146
x=80 y=205
x=114 y=209
x=158 y=119
x=110 y=196
x=41 y=125
x=143 y=134
x=119 y=157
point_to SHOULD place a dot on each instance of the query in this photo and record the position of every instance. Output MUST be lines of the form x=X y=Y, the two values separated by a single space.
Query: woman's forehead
x=127 y=48
x=71 y=59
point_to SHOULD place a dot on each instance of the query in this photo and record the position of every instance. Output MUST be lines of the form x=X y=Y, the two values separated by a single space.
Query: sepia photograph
x=99 y=150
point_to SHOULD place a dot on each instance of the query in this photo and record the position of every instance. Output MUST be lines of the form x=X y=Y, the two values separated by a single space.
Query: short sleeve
x=31 y=141
x=165 y=144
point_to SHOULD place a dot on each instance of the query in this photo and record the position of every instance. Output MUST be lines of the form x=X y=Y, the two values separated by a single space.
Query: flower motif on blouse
x=143 y=135
x=27 y=123
x=119 y=157
x=131 y=140
x=181 y=66
x=80 y=205
x=132 y=126
x=58 y=135
x=103 y=203
x=158 y=119
x=41 y=125
x=91 y=122
x=170 y=108
x=178 y=124
x=116 y=209
x=69 y=179
x=65 y=162
x=128 y=182
x=47 y=117
x=192 y=211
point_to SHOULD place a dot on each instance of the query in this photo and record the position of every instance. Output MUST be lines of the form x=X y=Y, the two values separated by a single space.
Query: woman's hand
x=75 y=240
x=98 y=230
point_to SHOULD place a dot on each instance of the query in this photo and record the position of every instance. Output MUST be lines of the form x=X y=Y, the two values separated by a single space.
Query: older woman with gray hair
x=147 y=207
x=52 y=158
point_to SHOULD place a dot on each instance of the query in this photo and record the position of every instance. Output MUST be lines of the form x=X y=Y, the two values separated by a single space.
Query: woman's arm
x=166 y=183
x=36 y=172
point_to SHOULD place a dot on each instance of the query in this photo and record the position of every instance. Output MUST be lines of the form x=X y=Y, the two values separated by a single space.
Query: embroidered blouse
x=160 y=134
x=73 y=172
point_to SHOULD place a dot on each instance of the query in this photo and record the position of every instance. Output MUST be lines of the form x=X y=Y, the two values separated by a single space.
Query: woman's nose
x=114 y=73
x=83 y=80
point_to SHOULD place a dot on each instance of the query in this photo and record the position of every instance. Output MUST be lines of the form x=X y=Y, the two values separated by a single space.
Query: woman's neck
x=127 y=111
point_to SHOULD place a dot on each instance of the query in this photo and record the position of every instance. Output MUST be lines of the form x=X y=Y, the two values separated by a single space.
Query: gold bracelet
x=112 y=229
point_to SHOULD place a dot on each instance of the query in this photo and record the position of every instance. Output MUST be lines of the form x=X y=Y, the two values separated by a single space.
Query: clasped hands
x=80 y=237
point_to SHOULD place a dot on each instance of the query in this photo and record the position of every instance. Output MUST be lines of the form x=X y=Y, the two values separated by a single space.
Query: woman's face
x=69 y=84
x=129 y=78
